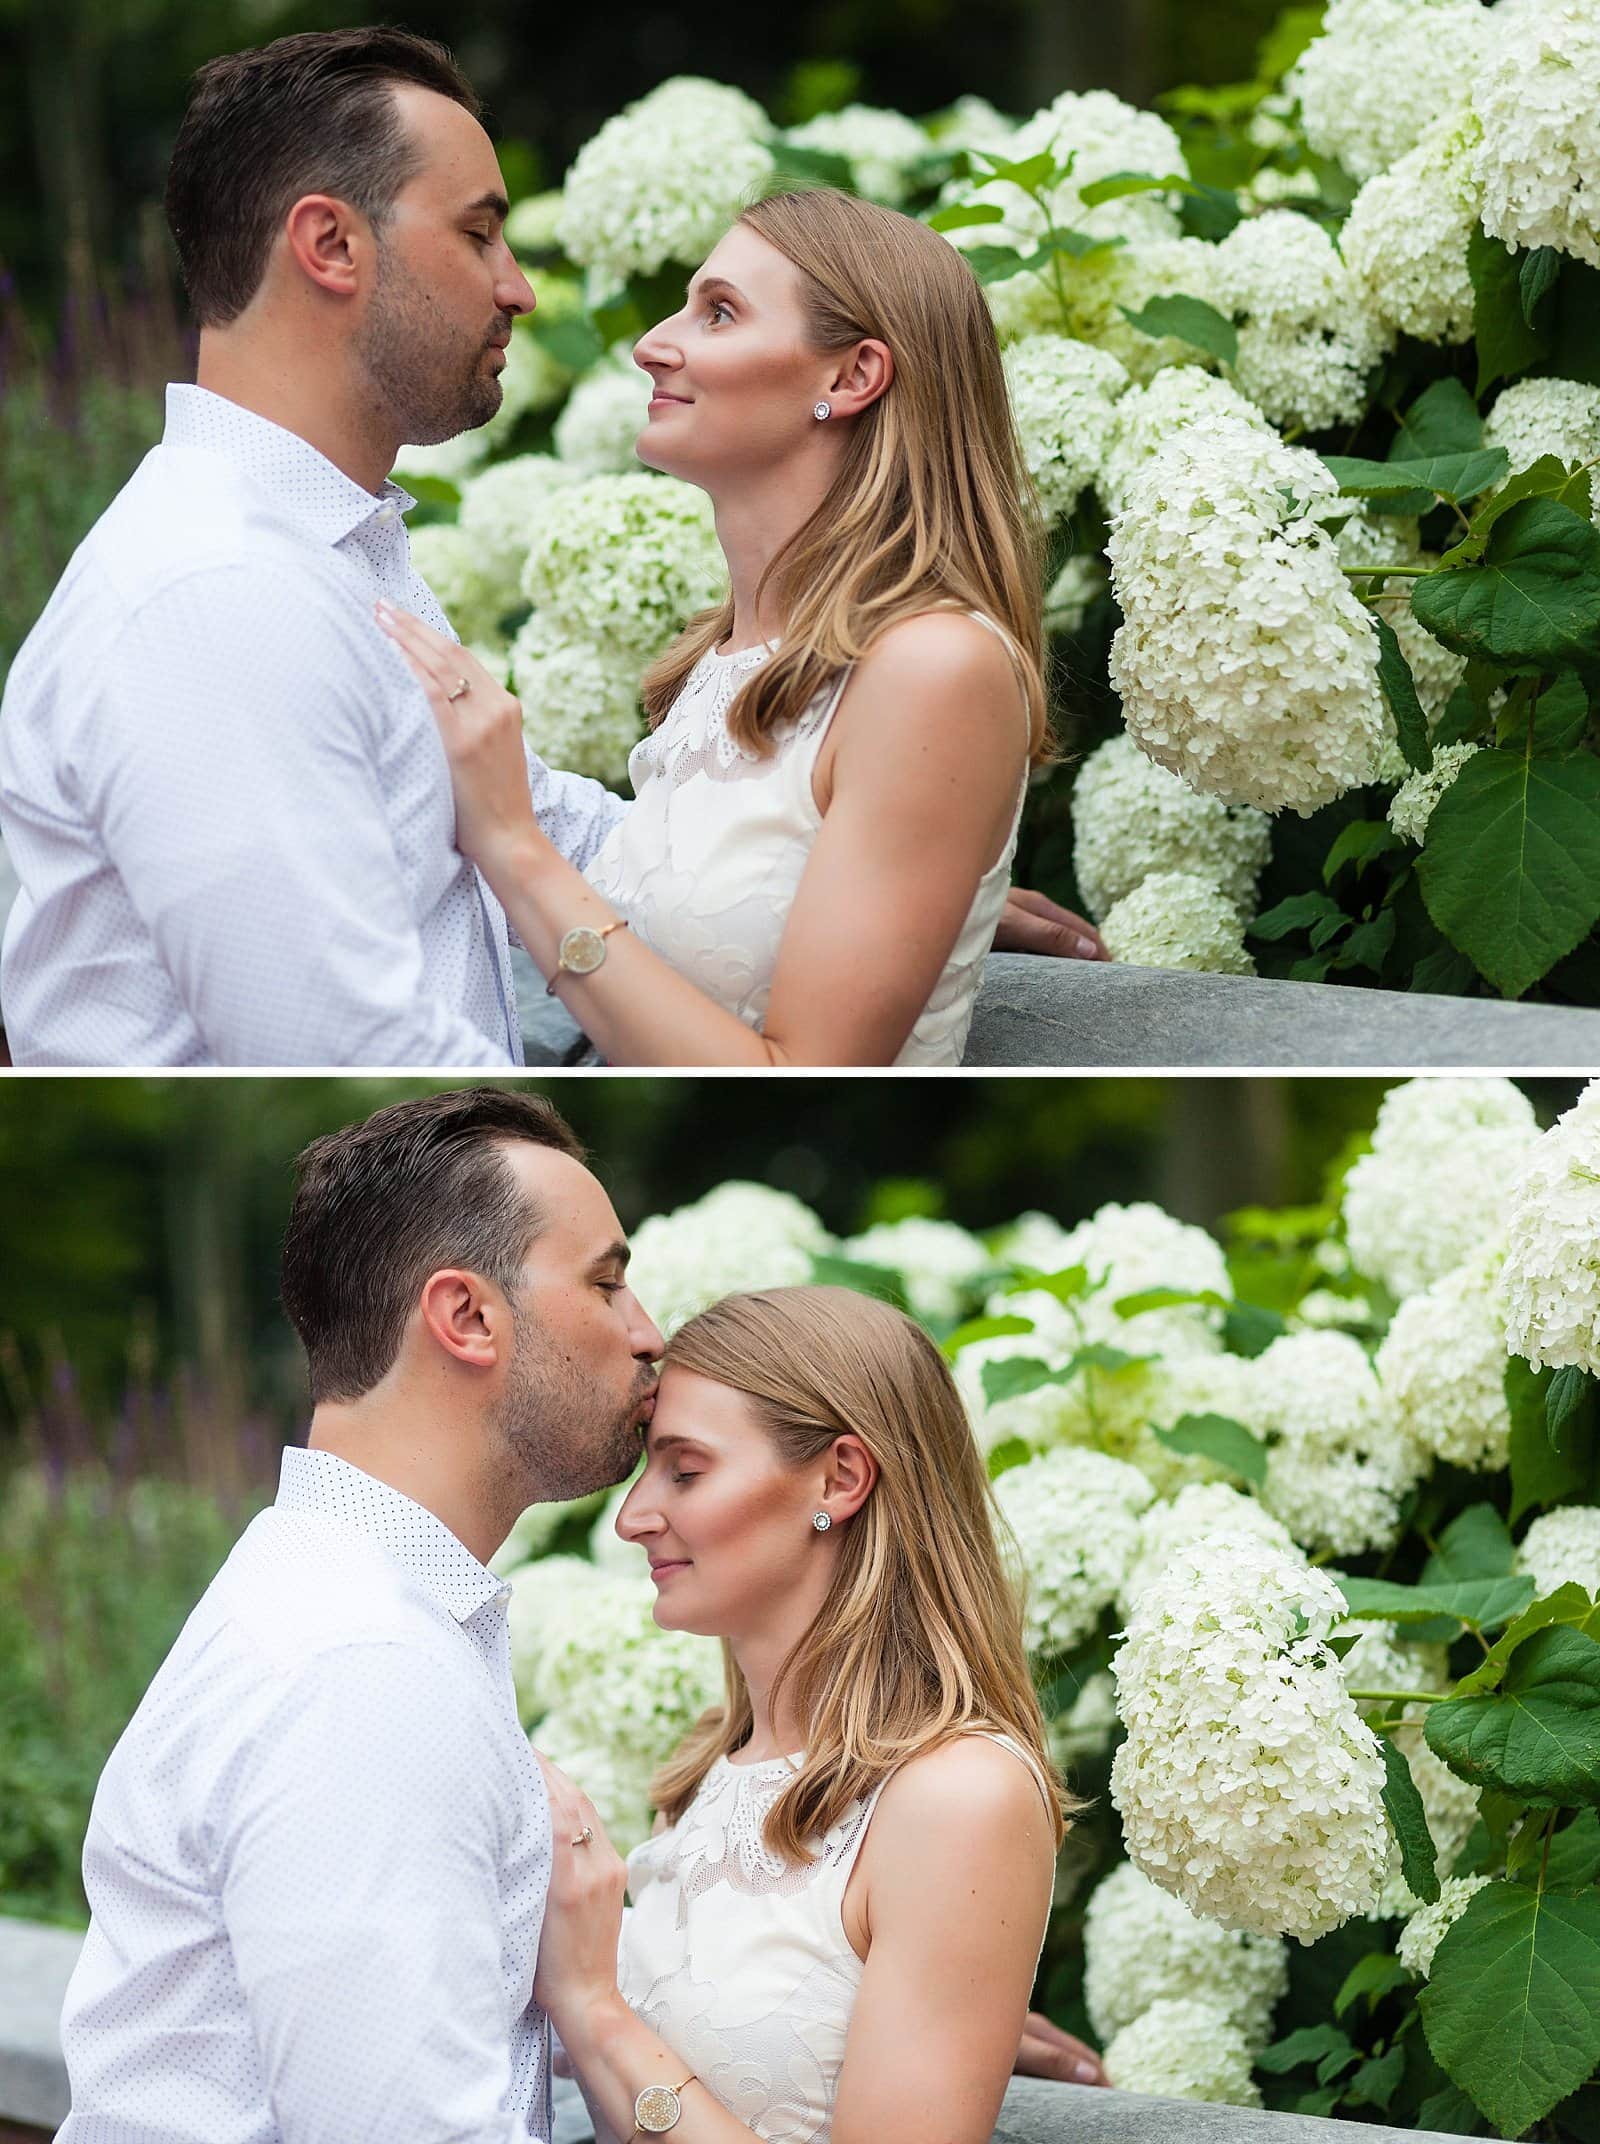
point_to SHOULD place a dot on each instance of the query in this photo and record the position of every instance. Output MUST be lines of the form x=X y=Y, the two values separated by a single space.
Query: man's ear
x=461 y=1315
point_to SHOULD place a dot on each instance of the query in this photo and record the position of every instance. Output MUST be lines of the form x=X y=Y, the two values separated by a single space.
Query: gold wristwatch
x=657 y=2108
x=582 y=950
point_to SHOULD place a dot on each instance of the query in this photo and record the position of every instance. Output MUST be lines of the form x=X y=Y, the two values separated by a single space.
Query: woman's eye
x=718 y=306
x=678 y=1479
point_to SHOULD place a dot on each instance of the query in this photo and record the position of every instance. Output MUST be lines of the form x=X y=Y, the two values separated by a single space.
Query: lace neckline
x=728 y=658
x=764 y=1764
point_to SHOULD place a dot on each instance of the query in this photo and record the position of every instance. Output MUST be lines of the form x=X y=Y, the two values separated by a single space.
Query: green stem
x=1389 y=573
x=1544 y=1858
x=1401 y=1697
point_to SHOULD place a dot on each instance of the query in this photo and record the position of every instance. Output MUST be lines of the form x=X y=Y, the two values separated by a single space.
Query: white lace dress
x=741 y=1963
x=706 y=862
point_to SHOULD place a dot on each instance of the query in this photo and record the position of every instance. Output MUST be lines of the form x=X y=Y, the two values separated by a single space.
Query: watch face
x=582 y=950
x=656 y=2109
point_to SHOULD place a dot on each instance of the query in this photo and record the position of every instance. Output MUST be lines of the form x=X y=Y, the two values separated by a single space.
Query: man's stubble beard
x=430 y=388
x=547 y=1421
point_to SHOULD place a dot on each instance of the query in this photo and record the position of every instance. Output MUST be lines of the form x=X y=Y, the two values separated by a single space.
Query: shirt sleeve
x=360 y=1895
x=236 y=770
x=574 y=812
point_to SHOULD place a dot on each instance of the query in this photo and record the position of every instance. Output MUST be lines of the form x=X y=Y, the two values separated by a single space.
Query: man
x=318 y=1856
x=221 y=788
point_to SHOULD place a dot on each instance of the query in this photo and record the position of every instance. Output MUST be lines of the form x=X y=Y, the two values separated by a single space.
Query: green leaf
x=1540 y=1476
x=1443 y=420
x=1031 y=173
x=1512 y=2005
x=1192 y=321
x=1450 y=2111
x=1375 y=2083
x=1569 y=1604
x=963 y=216
x=1568 y=1390
x=1097 y=1356
x=1117 y=184
x=1574 y=1859
x=1250 y=1328
x=1008 y=1453
x=573 y=342
x=1511 y=869
x=1408 y=1820
x=1443 y=476
x=1134 y=1306
x=1015 y=1375
x=882 y=1281
x=1369 y=944
x=1547 y=478
x=1476 y=1544
x=1538 y=1735
x=1507 y=346
x=823 y=167
x=1218 y=1437
x=1560 y=715
x=983 y=1329
x=1077 y=245
x=1400 y=690
x=1372 y=1976
x=1480 y=1603
x=1539 y=271
x=1358 y=842
x=1312 y=2043
x=995 y=264
x=1210 y=212
x=1298 y=913
x=1533 y=598
x=1066 y=1286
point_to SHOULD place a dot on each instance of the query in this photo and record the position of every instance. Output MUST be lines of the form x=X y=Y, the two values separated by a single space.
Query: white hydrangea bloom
x=1183 y=2050
x=973 y=123
x=662 y=180
x=1434 y=1188
x=1540 y=148
x=1562 y=1548
x=1381 y=1659
x=1443 y=1363
x=1175 y=919
x=1081 y=582
x=1075 y=1517
x=1147 y=417
x=1200 y=1509
x=1340 y=1464
x=1047 y=1416
x=1321 y=1308
x=534 y=223
x=1390 y=540
x=1405 y=239
x=740 y=1236
x=1142 y=1946
x=1422 y=1934
x=580 y=699
x=1099 y=287
x=1372 y=83
x=1127 y=1250
x=626 y=562
x=450 y=461
x=1413 y=803
x=546 y=1595
x=609 y=1552
x=937 y=1260
x=1062 y=397
x=1552 y=1270
x=532 y=379
x=1532 y=418
x=1085 y=1729
x=1131 y=818
x=881 y=148
x=500 y=508
x=598 y=430
x=472 y=595
x=618 y=1678
x=1307 y=342
x=532 y=1534
x=1248 y=1784
x=615 y=1778
x=1190 y=1381
x=1103 y=136
x=1244 y=661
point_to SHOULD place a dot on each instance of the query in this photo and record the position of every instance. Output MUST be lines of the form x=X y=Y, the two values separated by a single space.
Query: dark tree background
x=91 y=90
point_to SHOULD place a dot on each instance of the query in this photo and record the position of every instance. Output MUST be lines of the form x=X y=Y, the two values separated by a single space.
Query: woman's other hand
x=577 y=1965
x=1047 y=2051
x=1032 y=923
x=481 y=729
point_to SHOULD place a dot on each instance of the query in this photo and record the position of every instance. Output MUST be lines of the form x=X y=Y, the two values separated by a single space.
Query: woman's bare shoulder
x=967 y=1780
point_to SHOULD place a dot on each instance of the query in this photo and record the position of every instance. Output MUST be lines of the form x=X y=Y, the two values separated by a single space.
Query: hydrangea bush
x=1307 y=375
x=1308 y=1524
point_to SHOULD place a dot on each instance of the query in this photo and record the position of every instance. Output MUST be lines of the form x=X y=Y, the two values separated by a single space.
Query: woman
x=827 y=806
x=838 y=1920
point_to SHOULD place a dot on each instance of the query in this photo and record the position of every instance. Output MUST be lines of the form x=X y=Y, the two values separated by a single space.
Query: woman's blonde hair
x=919 y=1637
x=932 y=507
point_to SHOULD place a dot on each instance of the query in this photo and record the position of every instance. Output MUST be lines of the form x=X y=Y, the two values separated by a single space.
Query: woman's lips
x=659 y=1571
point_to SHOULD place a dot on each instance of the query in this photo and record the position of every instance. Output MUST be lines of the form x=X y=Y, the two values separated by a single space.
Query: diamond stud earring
x=821 y=1521
x=822 y=412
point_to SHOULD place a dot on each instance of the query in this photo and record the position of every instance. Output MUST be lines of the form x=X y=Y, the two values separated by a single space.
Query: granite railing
x=36 y=1962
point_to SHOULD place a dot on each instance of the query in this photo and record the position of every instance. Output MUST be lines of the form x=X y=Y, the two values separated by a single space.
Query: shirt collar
x=300 y=481
x=407 y=1532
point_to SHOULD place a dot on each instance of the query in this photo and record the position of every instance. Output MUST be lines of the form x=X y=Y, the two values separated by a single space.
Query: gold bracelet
x=657 y=2109
x=582 y=950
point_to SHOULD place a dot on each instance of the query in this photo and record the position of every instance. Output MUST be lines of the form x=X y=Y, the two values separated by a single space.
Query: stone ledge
x=36 y=1964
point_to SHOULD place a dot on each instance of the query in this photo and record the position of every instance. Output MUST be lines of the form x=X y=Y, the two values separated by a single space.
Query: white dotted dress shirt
x=224 y=793
x=318 y=1856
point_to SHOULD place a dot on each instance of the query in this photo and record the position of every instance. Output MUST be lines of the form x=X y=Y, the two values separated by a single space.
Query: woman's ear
x=864 y=374
x=850 y=1477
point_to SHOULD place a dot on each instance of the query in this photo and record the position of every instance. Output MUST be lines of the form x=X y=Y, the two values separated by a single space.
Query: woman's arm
x=924 y=777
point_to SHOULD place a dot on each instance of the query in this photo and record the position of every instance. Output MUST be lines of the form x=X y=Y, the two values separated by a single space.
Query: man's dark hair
x=312 y=114
x=381 y=1205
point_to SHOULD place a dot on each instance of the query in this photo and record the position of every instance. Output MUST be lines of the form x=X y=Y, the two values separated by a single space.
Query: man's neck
x=317 y=403
x=415 y=1460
